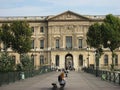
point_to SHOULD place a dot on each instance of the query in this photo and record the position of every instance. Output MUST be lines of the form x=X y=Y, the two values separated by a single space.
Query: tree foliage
x=5 y=35
x=16 y=35
x=6 y=63
x=21 y=32
x=26 y=63
x=111 y=32
x=108 y=31
x=94 y=38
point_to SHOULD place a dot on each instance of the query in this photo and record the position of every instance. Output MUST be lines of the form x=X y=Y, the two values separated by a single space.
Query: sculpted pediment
x=68 y=16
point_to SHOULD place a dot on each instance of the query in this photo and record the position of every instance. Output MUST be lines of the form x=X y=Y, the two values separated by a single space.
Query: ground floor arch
x=69 y=64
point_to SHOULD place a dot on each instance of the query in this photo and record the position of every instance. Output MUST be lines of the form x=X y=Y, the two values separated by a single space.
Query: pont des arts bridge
x=76 y=80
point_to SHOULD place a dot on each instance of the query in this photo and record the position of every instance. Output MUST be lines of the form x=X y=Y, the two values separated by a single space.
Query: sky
x=54 y=7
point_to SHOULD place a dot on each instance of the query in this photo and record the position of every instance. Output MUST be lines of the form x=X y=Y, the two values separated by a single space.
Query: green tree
x=111 y=34
x=94 y=39
x=21 y=41
x=26 y=63
x=6 y=63
x=6 y=35
x=18 y=36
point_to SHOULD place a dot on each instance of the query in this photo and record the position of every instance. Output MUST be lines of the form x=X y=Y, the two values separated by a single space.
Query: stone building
x=60 y=41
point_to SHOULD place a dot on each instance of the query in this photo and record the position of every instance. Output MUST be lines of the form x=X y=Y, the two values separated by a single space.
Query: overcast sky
x=54 y=7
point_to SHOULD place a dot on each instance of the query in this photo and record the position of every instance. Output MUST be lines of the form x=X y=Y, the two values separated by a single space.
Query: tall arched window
x=41 y=59
x=116 y=60
x=32 y=44
x=80 y=41
x=57 y=60
x=57 y=43
x=68 y=42
x=106 y=60
x=42 y=44
x=80 y=60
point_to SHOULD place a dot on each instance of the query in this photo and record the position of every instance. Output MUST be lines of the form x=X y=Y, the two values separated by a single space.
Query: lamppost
x=35 y=55
x=88 y=57
x=109 y=45
x=97 y=55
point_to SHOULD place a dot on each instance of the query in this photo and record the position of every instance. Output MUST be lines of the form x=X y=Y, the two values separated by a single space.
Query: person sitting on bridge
x=61 y=79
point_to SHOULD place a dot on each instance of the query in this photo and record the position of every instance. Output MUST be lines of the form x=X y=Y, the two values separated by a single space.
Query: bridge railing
x=111 y=76
x=10 y=77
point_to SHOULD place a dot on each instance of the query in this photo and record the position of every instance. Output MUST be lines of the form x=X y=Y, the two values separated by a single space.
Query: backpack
x=59 y=78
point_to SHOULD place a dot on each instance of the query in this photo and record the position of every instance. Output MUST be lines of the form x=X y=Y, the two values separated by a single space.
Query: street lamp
x=108 y=42
x=109 y=45
x=97 y=61
x=88 y=57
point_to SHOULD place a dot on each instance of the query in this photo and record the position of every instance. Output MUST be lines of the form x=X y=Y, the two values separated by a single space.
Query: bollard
x=22 y=75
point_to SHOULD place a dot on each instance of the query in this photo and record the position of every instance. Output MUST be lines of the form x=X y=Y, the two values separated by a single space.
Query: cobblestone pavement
x=74 y=81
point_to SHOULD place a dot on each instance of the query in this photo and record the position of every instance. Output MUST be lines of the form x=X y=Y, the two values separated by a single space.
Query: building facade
x=60 y=41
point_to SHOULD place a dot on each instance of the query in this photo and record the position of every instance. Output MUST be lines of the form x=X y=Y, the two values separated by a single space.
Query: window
x=41 y=29
x=80 y=43
x=57 y=60
x=80 y=60
x=68 y=42
x=41 y=59
x=57 y=43
x=116 y=60
x=32 y=45
x=41 y=44
x=32 y=29
x=106 y=60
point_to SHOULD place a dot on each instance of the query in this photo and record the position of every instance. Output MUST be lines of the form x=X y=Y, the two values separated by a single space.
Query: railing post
x=7 y=77
x=119 y=78
x=110 y=76
x=114 y=77
x=0 y=79
x=106 y=75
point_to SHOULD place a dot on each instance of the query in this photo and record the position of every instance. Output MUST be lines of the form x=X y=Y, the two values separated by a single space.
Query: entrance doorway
x=69 y=61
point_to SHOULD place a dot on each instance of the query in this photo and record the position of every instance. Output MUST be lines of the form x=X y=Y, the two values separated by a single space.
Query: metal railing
x=111 y=76
x=10 y=77
x=108 y=67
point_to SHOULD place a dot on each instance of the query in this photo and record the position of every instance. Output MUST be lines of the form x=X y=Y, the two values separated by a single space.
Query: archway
x=69 y=61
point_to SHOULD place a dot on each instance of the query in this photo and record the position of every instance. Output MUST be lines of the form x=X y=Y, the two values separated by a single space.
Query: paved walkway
x=75 y=81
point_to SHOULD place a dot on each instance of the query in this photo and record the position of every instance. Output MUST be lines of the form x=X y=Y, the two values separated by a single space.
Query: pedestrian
x=61 y=79
x=66 y=73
